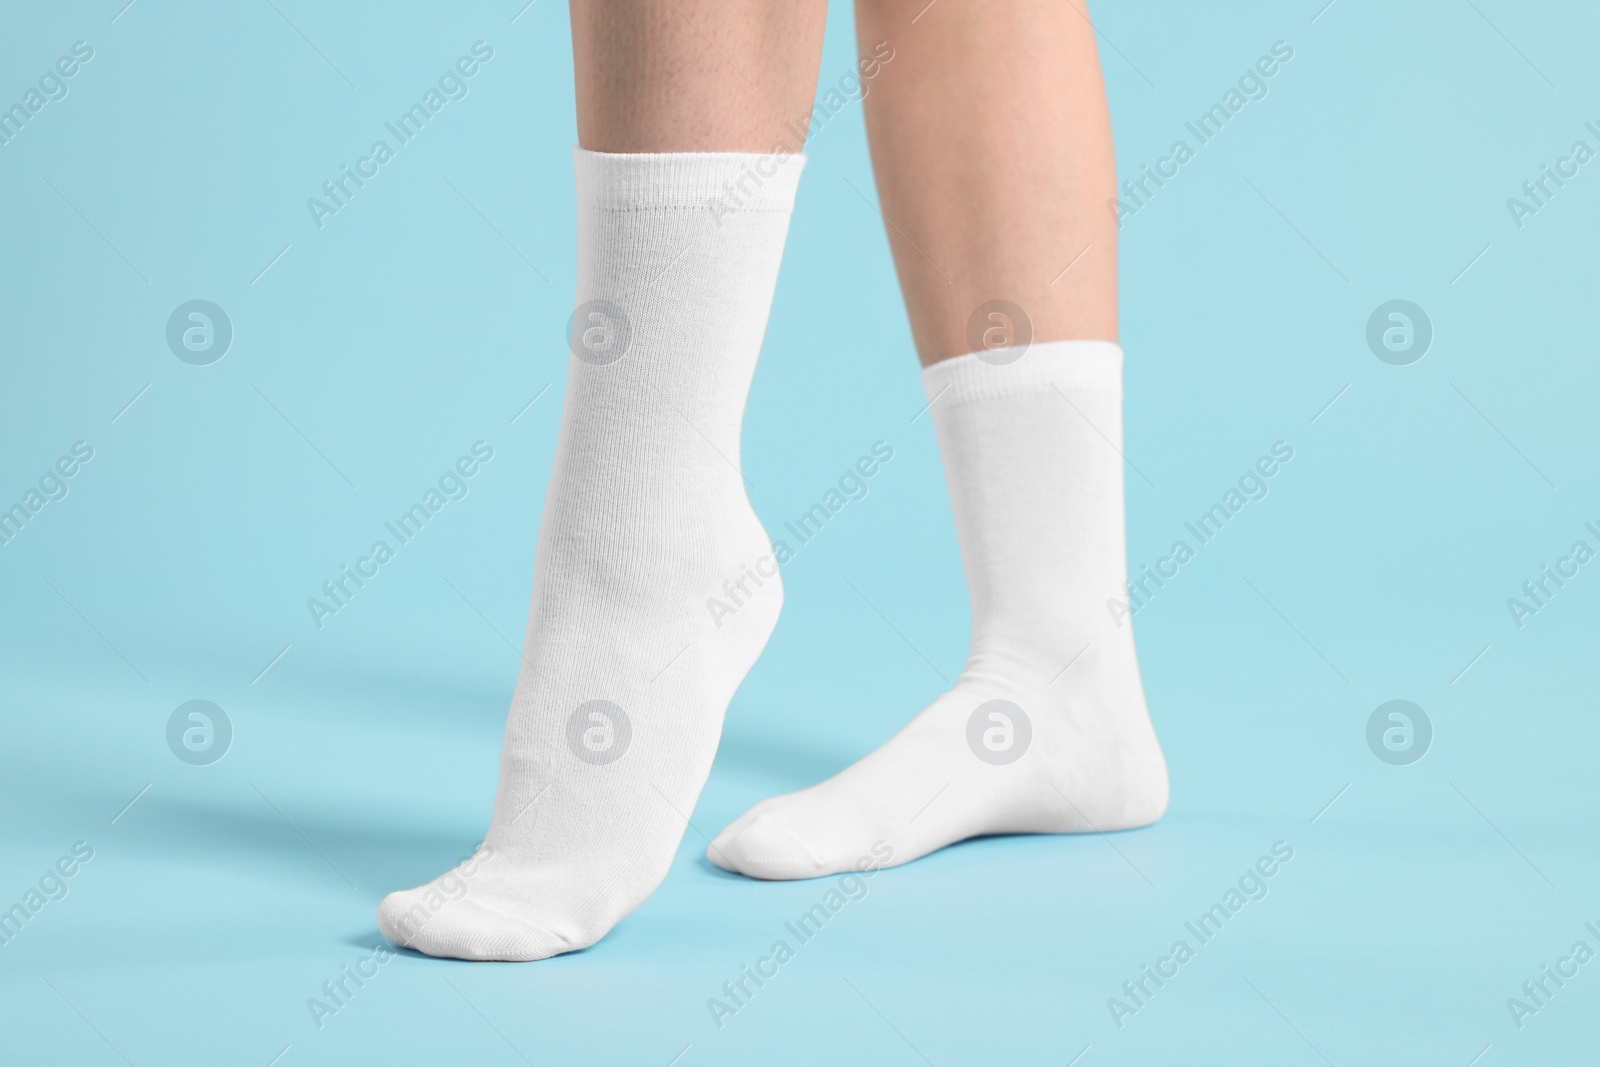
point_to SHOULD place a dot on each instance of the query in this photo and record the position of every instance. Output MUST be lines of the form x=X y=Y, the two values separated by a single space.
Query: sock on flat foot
x=624 y=681
x=1046 y=730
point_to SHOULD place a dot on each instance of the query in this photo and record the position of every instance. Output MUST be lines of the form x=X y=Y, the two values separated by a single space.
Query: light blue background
x=424 y=317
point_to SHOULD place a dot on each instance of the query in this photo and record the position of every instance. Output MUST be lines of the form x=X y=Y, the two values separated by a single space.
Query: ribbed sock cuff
x=1002 y=372
x=723 y=183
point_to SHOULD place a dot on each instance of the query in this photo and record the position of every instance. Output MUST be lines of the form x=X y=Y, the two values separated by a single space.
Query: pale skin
x=990 y=136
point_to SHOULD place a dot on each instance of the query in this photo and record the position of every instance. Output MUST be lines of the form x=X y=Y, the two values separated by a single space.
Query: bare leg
x=684 y=191
x=694 y=75
x=992 y=149
x=991 y=143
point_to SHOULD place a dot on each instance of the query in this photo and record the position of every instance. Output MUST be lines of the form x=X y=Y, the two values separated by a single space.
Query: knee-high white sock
x=625 y=676
x=1046 y=730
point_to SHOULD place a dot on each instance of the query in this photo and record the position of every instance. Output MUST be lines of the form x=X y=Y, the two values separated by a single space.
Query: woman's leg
x=993 y=155
x=991 y=144
x=694 y=75
x=684 y=189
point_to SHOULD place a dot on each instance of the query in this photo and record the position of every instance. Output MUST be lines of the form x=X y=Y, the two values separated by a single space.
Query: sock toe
x=763 y=848
x=466 y=929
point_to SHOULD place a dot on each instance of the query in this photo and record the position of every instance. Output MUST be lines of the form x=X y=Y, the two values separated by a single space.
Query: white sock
x=1032 y=453
x=625 y=675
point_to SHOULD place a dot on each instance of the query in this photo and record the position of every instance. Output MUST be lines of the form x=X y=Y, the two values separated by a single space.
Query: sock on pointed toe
x=1046 y=730
x=625 y=674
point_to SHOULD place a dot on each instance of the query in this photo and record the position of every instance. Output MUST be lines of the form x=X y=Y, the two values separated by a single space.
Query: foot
x=1046 y=731
x=987 y=757
x=650 y=600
